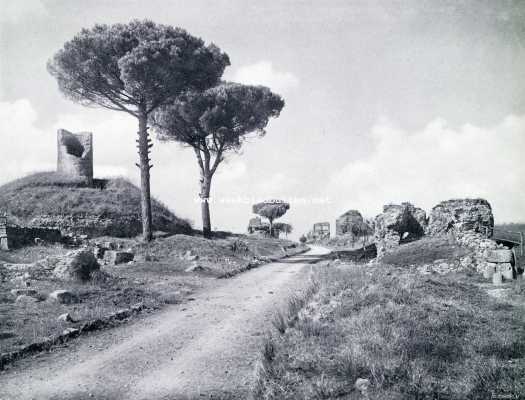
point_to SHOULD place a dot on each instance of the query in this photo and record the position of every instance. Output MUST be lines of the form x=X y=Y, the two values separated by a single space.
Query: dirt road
x=203 y=349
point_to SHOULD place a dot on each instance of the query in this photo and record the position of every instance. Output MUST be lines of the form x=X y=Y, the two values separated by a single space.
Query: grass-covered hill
x=111 y=207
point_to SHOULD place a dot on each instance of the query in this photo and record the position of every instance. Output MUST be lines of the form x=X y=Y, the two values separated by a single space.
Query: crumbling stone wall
x=398 y=223
x=75 y=154
x=94 y=225
x=12 y=236
x=461 y=215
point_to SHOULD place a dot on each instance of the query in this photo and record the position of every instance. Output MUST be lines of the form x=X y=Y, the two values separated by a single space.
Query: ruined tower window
x=73 y=146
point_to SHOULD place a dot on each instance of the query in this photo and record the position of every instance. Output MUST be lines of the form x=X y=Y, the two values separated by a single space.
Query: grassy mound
x=424 y=251
x=111 y=207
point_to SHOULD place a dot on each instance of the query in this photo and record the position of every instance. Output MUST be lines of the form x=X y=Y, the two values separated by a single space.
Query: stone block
x=76 y=266
x=499 y=256
x=64 y=297
x=115 y=257
x=507 y=271
x=497 y=278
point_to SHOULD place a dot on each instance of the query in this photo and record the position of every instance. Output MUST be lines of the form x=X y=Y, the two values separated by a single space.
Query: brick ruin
x=75 y=155
x=75 y=160
x=461 y=215
x=398 y=223
x=346 y=221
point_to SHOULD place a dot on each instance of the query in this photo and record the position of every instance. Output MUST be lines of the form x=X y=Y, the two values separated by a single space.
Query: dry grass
x=424 y=251
x=158 y=279
x=222 y=257
x=24 y=323
x=413 y=337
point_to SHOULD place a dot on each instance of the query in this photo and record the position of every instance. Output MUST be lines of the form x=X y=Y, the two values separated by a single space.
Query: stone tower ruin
x=75 y=154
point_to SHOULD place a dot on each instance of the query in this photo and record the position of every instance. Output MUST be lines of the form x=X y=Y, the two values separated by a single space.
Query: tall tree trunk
x=144 y=145
x=271 y=227
x=205 y=206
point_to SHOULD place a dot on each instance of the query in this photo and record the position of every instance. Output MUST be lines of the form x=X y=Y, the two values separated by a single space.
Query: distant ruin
x=75 y=155
x=347 y=221
x=321 y=230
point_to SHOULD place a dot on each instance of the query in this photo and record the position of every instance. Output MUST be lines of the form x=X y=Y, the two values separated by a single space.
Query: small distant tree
x=214 y=123
x=283 y=227
x=271 y=209
x=135 y=68
x=302 y=239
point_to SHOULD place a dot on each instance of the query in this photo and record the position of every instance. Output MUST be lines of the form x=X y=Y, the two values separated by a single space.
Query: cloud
x=24 y=148
x=263 y=73
x=16 y=10
x=435 y=164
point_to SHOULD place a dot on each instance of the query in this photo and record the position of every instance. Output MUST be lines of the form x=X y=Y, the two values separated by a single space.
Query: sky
x=386 y=101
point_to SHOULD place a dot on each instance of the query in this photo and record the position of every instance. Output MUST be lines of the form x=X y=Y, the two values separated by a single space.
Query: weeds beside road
x=410 y=336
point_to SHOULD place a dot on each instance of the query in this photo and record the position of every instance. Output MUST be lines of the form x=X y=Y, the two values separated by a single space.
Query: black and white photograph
x=262 y=200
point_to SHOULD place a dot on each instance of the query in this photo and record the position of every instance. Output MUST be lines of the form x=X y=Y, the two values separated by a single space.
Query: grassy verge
x=411 y=336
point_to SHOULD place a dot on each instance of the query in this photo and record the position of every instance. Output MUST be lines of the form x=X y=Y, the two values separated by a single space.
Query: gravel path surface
x=206 y=348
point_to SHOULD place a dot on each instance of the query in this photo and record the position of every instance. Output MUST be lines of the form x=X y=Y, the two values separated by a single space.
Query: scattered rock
x=121 y=314
x=66 y=318
x=25 y=299
x=70 y=332
x=362 y=385
x=64 y=297
x=115 y=257
x=190 y=256
x=99 y=252
x=194 y=267
x=24 y=292
x=137 y=307
x=76 y=266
